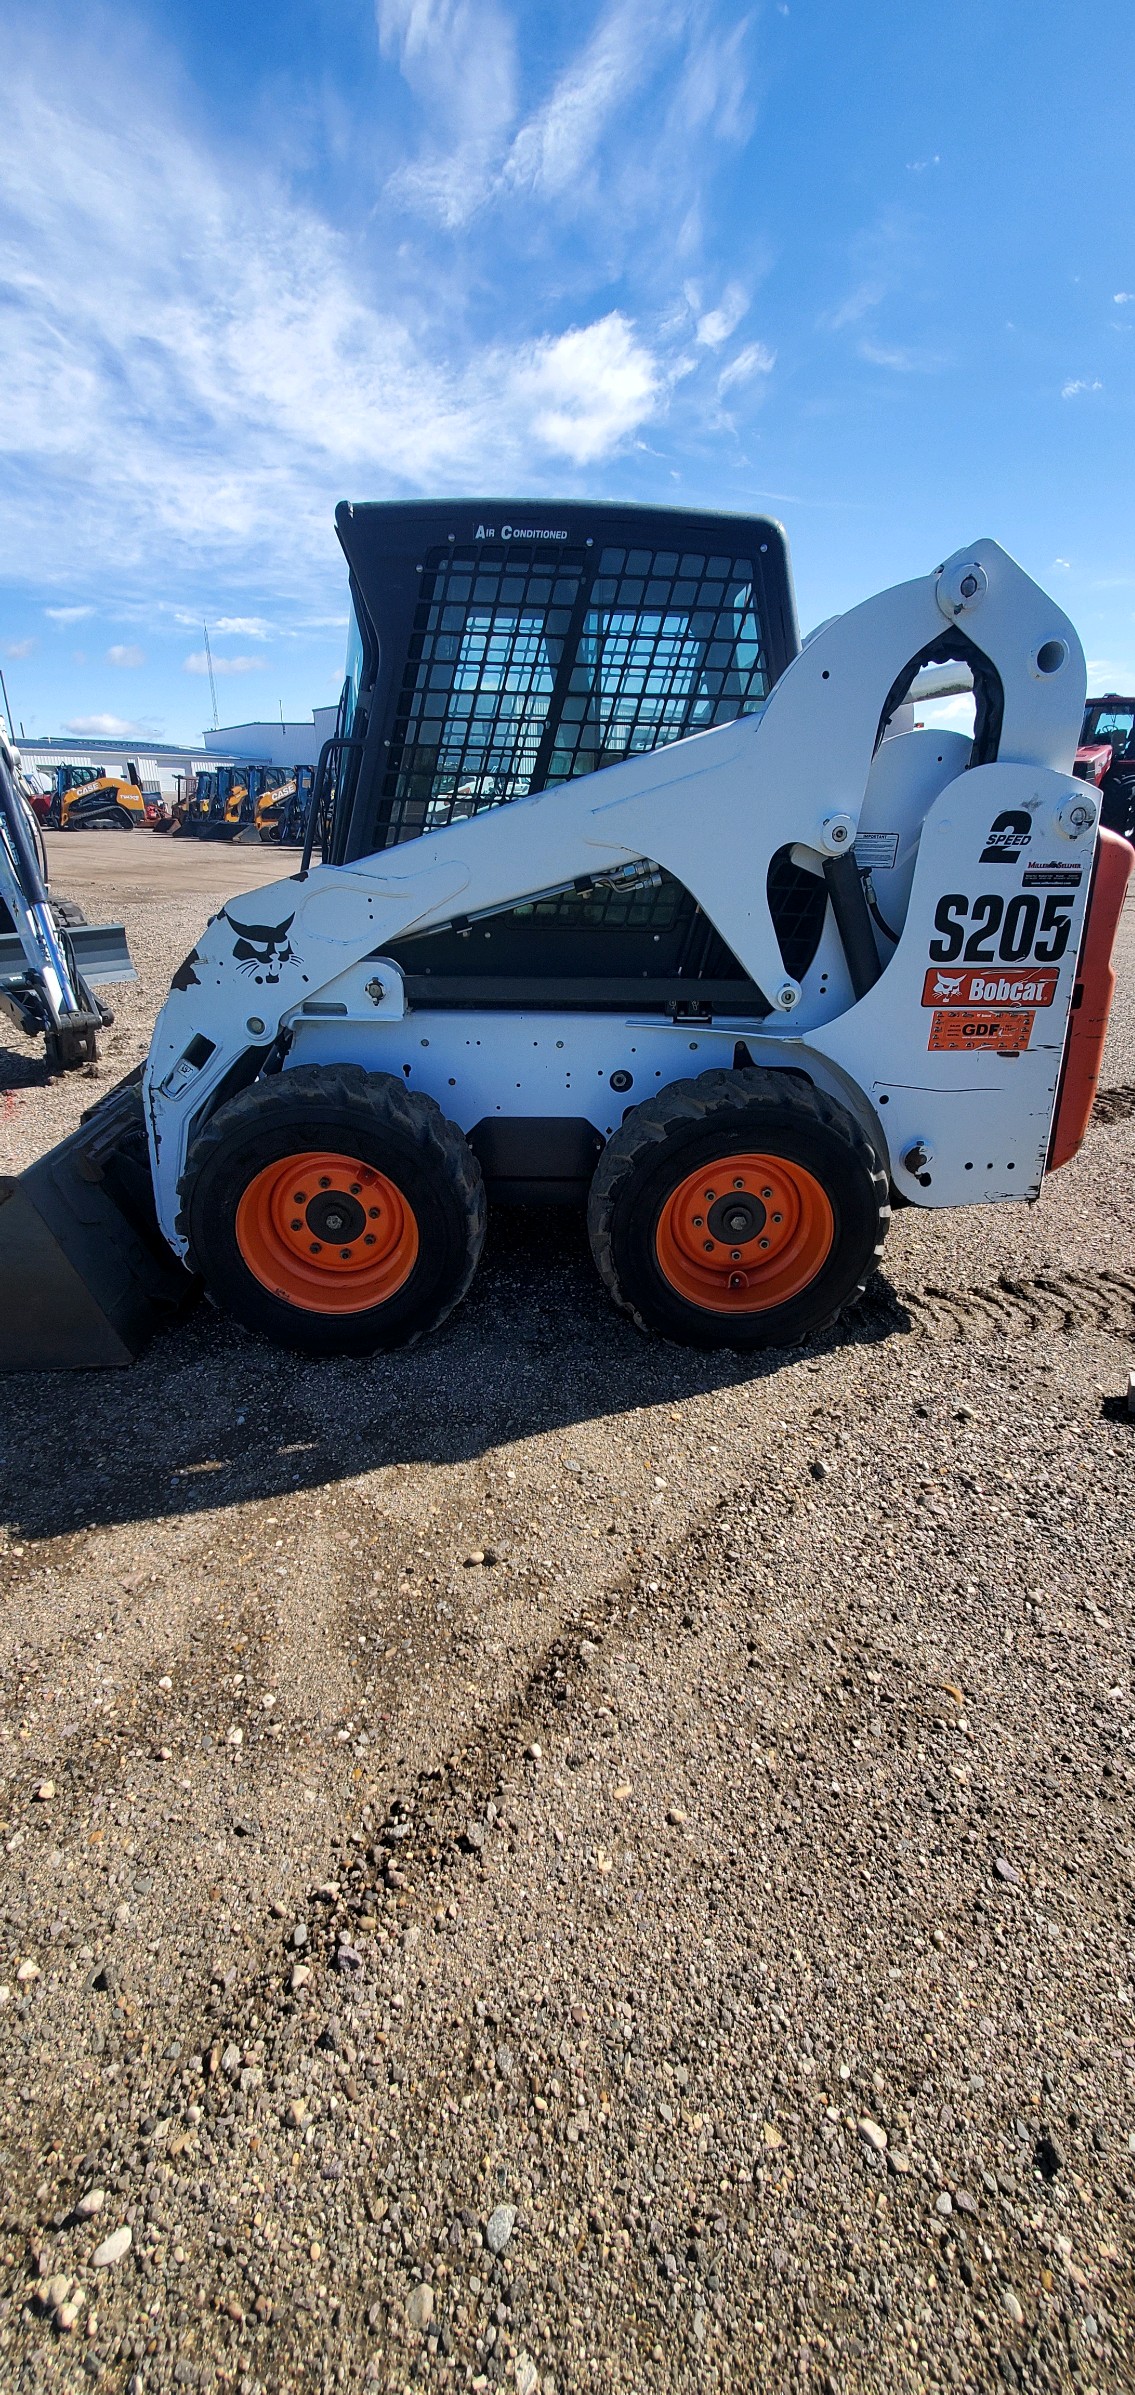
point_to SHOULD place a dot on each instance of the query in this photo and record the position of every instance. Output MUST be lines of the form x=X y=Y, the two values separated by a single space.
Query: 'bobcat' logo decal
x=263 y=949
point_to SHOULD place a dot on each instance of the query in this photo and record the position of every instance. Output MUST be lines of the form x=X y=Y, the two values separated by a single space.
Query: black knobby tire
x=68 y=913
x=685 y=1128
x=399 y=1133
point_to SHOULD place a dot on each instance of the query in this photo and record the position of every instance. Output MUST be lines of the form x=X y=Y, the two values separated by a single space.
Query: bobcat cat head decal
x=263 y=949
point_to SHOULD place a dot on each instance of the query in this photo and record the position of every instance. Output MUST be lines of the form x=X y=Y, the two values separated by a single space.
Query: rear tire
x=334 y=1211
x=743 y=1210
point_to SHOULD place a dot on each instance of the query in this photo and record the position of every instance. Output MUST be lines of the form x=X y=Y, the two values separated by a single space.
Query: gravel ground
x=557 y=1863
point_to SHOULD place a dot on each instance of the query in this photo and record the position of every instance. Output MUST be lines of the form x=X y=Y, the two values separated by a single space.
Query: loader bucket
x=86 y=1275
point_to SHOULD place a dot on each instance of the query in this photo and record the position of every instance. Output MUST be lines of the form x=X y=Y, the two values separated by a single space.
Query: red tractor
x=1106 y=758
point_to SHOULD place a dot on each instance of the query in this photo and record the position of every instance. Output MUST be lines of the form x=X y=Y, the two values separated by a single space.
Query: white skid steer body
x=944 y=1046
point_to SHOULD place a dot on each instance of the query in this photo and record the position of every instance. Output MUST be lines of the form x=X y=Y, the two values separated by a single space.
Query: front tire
x=334 y=1211
x=742 y=1209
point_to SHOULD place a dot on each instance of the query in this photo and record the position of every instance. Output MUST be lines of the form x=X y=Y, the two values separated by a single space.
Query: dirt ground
x=552 y=1862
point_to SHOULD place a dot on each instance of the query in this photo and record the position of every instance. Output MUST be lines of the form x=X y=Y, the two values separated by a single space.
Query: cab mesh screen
x=523 y=672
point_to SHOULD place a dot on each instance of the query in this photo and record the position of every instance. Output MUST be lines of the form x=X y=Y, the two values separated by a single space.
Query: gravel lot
x=557 y=1863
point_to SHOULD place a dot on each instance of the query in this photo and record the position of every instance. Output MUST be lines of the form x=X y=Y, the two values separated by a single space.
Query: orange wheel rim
x=327 y=1233
x=744 y=1233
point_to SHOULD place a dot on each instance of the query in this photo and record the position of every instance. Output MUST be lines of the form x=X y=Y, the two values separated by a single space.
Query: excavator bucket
x=86 y=1275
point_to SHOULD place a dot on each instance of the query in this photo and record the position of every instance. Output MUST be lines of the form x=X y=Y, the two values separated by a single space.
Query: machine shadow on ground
x=212 y=1417
x=24 y=1068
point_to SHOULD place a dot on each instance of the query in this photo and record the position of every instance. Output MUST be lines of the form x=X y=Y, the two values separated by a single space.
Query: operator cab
x=499 y=649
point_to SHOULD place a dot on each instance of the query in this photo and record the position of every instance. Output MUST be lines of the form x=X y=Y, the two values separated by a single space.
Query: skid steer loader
x=627 y=900
x=88 y=799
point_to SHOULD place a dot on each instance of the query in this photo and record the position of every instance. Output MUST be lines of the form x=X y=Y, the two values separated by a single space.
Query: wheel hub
x=327 y=1233
x=335 y=1215
x=744 y=1233
x=736 y=1218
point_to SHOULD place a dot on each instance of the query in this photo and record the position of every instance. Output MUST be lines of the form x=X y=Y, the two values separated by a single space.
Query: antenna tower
x=212 y=684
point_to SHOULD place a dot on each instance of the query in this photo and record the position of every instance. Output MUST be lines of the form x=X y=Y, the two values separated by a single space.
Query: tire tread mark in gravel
x=1113 y=1106
x=1065 y=1300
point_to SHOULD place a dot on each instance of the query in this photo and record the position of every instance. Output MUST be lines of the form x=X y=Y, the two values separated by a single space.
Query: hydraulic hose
x=853 y=921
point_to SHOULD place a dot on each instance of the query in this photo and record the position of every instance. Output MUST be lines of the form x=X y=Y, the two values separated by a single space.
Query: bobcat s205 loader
x=629 y=900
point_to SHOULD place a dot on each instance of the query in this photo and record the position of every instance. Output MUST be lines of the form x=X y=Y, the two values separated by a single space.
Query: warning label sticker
x=877 y=850
x=1034 y=985
x=1004 y=1033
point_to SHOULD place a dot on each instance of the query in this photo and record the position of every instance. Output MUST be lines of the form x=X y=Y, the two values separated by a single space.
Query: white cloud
x=589 y=389
x=753 y=360
x=198 y=663
x=1110 y=673
x=68 y=615
x=105 y=727
x=946 y=715
x=1123 y=299
x=458 y=58
x=126 y=655
x=557 y=145
x=632 y=126
x=197 y=366
x=243 y=627
x=856 y=306
x=718 y=323
x=1073 y=390
x=18 y=648
x=899 y=360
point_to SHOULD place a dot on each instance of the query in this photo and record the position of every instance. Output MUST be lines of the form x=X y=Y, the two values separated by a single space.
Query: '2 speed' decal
x=990 y=930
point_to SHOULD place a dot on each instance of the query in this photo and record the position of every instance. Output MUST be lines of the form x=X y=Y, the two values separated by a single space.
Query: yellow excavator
x=86 y=799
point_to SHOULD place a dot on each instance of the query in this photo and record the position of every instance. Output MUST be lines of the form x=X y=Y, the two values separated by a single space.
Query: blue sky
x=871 y=269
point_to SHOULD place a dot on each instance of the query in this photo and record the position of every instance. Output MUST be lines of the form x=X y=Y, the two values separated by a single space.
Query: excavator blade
x=86 y=1275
